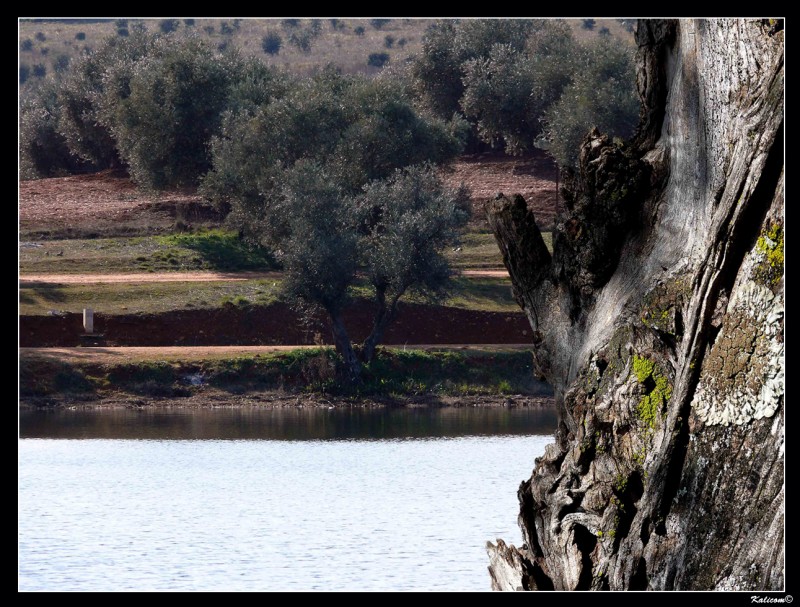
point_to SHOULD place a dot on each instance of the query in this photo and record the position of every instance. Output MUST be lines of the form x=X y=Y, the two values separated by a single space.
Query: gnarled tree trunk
x=659 y=321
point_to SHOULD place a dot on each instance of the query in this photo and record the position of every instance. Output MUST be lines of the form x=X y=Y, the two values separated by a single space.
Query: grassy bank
x=393 y=373
x=209 y=249
x=483 y=294
x=206 y=249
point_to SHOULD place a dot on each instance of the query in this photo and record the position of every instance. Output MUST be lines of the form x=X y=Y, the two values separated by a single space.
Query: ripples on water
x=269 y=512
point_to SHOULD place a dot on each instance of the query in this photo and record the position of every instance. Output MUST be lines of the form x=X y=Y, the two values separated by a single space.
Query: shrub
x=44 y=50
x=401 y=43
x=168 y=25
x=378 y=23
x=388 y=41
x=122 y=32
x=40 y=37
x=290 y=23
x=121 y=23
x=378 y=59
x=39 y=70
x=61 y=63
x=588 y=24
x=24 y=73
x=80 y=36
x=271 y=43
x=303 y=38
x=604 y=31
x=359 y=30
x=188 y=22
x=225 y=29
x=209 y=29
x=26 y=45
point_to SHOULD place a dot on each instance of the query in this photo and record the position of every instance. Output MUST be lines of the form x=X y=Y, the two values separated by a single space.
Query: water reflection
x=287 y=423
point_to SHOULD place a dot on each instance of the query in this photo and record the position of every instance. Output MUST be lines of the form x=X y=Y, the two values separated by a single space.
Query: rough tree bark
x=659 y=321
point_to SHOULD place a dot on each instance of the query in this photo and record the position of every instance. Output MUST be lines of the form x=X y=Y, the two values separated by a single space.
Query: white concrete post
x=88 y=320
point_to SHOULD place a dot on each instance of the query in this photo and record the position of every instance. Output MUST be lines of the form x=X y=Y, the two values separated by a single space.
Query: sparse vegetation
x=311 y=370
x=378 y=59
x=168 y=25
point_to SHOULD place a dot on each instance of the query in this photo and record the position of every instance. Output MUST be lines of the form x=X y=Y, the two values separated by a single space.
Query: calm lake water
x=270 y=500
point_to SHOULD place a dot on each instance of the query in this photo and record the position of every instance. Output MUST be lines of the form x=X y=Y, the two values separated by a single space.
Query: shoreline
x=275 y=399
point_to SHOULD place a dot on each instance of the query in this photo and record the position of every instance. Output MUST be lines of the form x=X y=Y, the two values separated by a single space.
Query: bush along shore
x=297 y=377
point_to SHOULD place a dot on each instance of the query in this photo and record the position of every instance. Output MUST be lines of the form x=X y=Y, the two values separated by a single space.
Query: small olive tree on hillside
x=447 y=45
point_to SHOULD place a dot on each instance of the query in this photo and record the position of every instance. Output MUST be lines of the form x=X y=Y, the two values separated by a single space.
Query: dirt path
x=122 y=354
x=145 y=277
x=139 y=277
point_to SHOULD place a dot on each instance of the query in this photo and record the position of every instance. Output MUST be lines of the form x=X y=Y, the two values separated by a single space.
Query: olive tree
x=82 y=99
x=312 y=226
x=447 y=44
x=601 y=94
x=318 y=177
x=43 y=151
x=410 y=218
x=527 y=83
x=163 y=112
x=498 y=96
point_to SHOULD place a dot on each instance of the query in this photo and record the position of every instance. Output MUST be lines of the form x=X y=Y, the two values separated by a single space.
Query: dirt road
x=123 y=354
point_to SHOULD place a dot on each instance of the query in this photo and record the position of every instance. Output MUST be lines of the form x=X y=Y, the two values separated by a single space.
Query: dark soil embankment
x=275 y=325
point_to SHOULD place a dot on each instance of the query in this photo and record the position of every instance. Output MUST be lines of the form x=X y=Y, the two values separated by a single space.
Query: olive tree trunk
x=659 y=322
x=344 y=347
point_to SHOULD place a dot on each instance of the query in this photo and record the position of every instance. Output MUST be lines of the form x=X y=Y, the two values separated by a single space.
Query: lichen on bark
x=659 y=324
